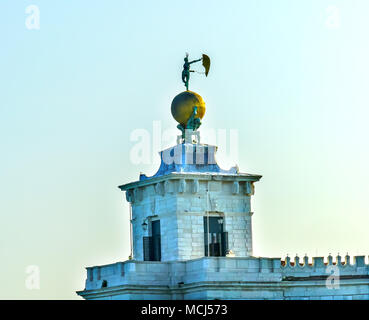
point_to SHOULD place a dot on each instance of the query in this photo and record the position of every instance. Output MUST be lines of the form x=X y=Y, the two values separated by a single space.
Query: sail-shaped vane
x=206 y=63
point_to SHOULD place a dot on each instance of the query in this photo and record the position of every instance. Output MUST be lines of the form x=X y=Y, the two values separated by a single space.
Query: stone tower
x=192 y=235
x=191 y=208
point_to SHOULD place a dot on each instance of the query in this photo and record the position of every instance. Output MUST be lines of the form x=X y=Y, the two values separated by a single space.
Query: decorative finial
x=188 y=108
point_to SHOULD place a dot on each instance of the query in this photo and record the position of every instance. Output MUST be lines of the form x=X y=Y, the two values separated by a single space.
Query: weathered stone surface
x=181 y=203
x=180 y=195
x=221 y=278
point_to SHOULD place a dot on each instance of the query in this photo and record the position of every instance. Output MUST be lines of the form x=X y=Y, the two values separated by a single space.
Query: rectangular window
x=147 y=245
x=156 y=243
x=216 y=241
x=152 y=245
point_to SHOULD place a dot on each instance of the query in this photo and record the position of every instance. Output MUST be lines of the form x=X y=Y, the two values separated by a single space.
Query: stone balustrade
x=274 y=278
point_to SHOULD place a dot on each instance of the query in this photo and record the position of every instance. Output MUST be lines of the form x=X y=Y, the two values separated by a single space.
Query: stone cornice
x=191 y=176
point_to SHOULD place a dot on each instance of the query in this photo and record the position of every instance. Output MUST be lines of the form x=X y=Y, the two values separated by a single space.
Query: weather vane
x=186 y=68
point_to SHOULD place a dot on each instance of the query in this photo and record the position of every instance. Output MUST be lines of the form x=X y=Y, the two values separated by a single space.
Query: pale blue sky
x=72 y=93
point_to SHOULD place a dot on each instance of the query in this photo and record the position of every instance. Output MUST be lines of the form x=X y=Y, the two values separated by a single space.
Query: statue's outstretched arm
x=195 y=60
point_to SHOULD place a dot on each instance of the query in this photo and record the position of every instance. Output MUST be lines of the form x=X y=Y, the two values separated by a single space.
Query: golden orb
x=182 y=106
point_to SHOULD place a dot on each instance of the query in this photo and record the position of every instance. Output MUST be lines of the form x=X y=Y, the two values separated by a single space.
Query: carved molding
x=159 y=188
x=137 y=194
x=182 y=186
x=167 y=186
x=248 y=188
x=195 y=186
x=235 y=187
x=129 y=196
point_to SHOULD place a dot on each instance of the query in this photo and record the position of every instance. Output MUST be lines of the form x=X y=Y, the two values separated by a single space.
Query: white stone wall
x=181 y=203
x=155 y=204
x=226 y=278
x=190 y=236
